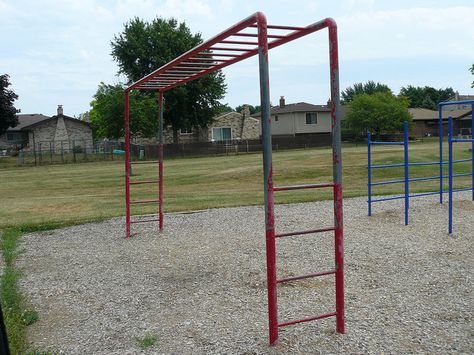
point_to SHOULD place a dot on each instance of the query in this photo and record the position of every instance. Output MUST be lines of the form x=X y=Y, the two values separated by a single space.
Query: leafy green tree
x=472 y=71
x=108 y=107
x=377 y=113
x=369 y=88
x=426 y=97
x=7 y=110
x=145 y=46
x=252 y=109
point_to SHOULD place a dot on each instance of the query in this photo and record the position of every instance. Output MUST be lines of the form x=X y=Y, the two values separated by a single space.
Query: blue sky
x=58 y=51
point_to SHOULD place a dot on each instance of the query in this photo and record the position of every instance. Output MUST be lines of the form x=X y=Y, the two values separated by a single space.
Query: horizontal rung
x=316 y=274
x=143 y=201
x=307 y=319
x=145 y=220
x=280 y=235
x=300 y=187
x=144 y=182
x=144 y=162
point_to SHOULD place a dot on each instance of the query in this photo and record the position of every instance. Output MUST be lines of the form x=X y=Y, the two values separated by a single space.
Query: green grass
x=75 y=193
x=147 y=341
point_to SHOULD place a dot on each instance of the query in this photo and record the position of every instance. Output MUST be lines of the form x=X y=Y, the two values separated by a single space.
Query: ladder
x=158 y=217
x=273 y=281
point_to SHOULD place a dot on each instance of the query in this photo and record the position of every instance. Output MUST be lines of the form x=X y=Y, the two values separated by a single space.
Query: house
x=36 y=131
x=225 y=127
x=457 y=97
x=300 y=118
x=426 y=122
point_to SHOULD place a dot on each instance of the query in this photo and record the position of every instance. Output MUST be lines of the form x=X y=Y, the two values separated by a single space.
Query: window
x=221 y=133
x=276 y=118
x=16 y=137
x=187 y=130
x=311 y=118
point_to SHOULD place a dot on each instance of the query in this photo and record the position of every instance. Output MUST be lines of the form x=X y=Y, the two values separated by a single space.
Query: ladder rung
x=300 y=187
x=145 y=220
x=145 y=162
x=143 y=201
x=307 y=319
x=280 y=235
x=316 y=274
x=144 y=182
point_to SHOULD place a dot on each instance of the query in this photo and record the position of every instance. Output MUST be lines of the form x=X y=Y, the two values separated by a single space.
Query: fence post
x=247 y=145
x=450 y=174
x=369 y=173
x=405 y=160
x=51 y=151
x=62 y=152
x=40 y=153
x=74 y=150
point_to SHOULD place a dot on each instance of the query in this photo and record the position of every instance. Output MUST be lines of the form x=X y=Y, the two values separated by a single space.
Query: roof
x=28 y=120
x=222 y=115
x=297 y=107
x=420 y=114
x=55 y=117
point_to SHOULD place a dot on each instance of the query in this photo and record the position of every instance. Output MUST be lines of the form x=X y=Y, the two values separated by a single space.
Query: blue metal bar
x=386 y=143
x=462 y=140
x=440 y=132
x=425 y=194
x=450 y=173
x=405 y=160
x=463 y=189
x=417 y=179
x=388 y=199
x=369 y=174
x=462 y=102
x=387 y=166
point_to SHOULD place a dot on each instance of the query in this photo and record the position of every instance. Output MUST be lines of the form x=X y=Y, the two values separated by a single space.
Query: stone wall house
x=227 y=126
x=57 y=132
x=426 y=122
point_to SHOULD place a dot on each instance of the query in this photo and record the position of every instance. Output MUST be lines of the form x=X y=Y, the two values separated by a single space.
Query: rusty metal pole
x=127 y=163
x=337 y=174
x=160 y=162
x=267 y=177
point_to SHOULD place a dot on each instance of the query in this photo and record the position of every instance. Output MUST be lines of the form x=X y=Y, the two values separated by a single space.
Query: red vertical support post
x=267 y=177
x=337 y=174
x=160 y=162
x=127 y=164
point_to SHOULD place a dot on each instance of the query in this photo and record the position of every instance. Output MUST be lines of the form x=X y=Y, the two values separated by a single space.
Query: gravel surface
x=199 y=287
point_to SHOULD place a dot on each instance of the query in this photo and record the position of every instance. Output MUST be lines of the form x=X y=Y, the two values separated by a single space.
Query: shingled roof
x=296 y=107
x=28 y=120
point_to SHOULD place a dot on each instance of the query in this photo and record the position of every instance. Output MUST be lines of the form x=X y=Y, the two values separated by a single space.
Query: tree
x=377 y=113
x=7 y=110
x=107 y=110
x=472 y=71
x=369 y=88
x=143 y=47
x=426 y=97
x=252 y=109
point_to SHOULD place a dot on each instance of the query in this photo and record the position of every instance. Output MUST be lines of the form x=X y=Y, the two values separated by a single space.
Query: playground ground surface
x=199 y=287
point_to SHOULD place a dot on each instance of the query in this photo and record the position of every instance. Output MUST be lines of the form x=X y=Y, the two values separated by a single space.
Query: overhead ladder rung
x=307 y=319
x=316 y=274
x=301 y=187
x=312 y=231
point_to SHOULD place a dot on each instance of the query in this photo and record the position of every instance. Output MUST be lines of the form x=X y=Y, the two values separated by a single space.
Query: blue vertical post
x=450 y=175
x=369 y=173
x=440 y=131
x=405 y=161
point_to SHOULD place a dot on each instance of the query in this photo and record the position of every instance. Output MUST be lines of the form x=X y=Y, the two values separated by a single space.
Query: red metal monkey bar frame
x=245 y=39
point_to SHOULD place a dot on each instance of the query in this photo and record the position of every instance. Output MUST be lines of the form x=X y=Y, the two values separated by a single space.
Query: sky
x=58 y=51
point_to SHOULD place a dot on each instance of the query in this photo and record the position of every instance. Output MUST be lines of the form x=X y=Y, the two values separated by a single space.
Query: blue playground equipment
x=406 y=164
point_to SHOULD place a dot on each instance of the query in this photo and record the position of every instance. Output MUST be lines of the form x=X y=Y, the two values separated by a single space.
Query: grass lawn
x=89 y=191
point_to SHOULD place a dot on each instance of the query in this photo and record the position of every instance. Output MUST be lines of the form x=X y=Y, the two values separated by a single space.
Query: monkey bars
x=245 y=39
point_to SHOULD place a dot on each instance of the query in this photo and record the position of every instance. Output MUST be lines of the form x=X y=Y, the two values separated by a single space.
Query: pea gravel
x=199 y=287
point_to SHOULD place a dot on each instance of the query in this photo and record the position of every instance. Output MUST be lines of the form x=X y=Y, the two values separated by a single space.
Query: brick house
x=426 y=122
x=58 y=131
x=225 y=127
